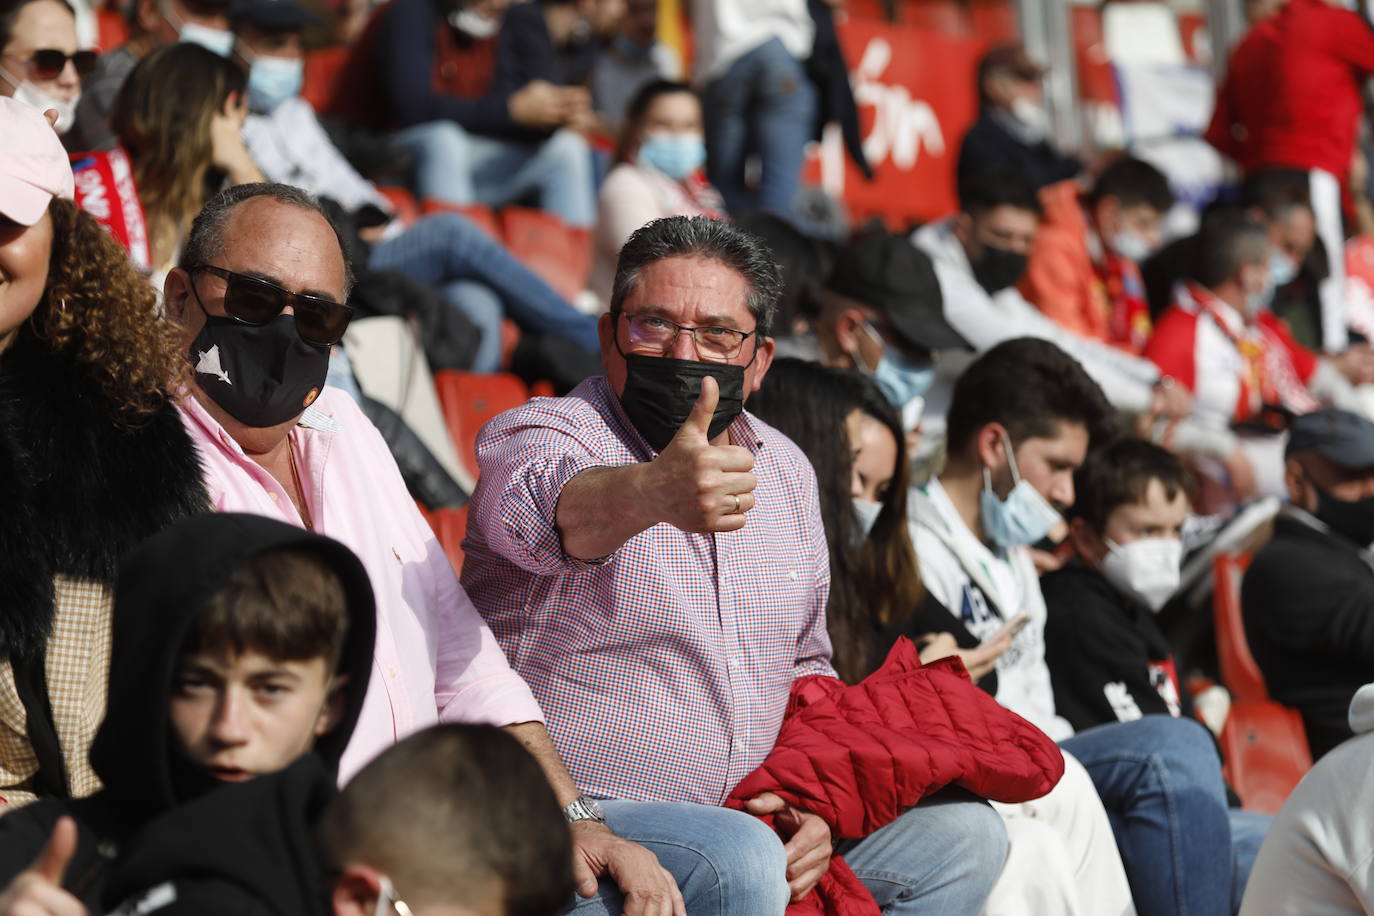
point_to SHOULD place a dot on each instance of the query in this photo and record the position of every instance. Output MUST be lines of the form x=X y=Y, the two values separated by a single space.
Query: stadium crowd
x=837 y=570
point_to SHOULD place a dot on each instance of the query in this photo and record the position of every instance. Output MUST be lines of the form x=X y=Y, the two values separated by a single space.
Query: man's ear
x=176 y=295
x=1106 y=211
x=333 y=710
x=356 y=891
x=990 y=446
x=1295 y=479
x=963 y=228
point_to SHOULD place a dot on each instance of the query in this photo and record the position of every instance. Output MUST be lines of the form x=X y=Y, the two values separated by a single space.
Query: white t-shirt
x=726 y=30
x=984 y=589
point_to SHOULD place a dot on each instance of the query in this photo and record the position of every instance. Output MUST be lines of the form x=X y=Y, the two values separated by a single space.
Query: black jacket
x=988 y=146
x=77 y=491
x=161 y=587
x=1308 y=604
x=1108 y=660
x=930 y=617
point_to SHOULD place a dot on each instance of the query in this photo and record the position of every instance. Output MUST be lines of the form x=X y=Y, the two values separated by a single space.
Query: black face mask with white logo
x=262 y=375
x=661 y=391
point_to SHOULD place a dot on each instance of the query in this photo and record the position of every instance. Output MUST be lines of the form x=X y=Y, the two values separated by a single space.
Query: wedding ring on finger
x=735 y=511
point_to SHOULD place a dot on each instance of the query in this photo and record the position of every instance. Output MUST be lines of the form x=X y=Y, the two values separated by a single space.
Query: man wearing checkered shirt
x=652 y=561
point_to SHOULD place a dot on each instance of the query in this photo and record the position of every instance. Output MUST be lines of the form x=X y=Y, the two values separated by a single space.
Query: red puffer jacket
x=859 y=756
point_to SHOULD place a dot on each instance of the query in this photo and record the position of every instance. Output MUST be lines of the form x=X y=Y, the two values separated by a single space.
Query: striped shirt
x=664 y=669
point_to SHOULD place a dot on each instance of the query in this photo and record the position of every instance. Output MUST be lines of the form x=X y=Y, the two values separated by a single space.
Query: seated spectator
x=40 y=63
x=1107 y=658
x=1063 y=857
x=633 y=58
x=454 y=816
x=241 y=645
x=646 y=539
x=1021 y=422
x=1083 y=270
x=427 y=75
x=1013 y=129
x=980 y=254
x=552 y=41
x=750 y=63
x=152 y=24
x=78 y=341
x=273 y=441
x=183 y=145
x=473 y=272
x=882 y=314
x=1307 y=595
x=1221 y=342
x=657 y=173
x=1318 y=856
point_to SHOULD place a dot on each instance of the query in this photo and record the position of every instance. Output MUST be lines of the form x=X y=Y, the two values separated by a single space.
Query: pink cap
x=33 y=165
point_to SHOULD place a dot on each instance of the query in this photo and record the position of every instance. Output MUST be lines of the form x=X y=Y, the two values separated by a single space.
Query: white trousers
x=1326 y=208
x=1063 y=859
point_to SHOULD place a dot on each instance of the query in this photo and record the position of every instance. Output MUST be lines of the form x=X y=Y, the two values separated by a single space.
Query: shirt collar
x=315 y=418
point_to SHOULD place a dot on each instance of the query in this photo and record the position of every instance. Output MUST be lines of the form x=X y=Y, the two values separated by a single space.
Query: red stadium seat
x=323 y=66
x=450 y=527
x=470 y=399
x=559 y=254
x=1263 y=742
x=112 y=29
x=482 y=216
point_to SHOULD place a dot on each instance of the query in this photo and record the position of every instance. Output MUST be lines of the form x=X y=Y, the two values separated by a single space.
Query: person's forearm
x=602 y=508
x=535 y=739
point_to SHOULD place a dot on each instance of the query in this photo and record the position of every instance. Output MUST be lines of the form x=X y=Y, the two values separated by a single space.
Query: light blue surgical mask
x=273 y=80
x=1021 y=519
x=1282 y=270
x=1131 y=246
x=867 y=514
x=221 y=41
x=675 y=155
x=900 y=378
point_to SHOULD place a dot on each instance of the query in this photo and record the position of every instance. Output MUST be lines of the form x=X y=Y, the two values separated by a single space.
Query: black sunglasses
x=48 y=63
x=250 y=300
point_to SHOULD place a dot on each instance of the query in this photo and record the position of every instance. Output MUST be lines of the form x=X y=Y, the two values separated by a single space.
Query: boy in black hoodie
x=1108 y=660
x=239 y=642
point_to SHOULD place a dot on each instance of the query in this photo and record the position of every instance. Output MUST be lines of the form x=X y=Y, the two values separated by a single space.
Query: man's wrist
x=582 y=809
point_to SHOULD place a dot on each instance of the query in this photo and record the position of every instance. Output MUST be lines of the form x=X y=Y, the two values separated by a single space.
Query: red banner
x=105 y=189
x=916 y=96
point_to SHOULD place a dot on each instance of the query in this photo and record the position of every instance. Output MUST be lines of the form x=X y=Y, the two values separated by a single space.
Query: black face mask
x=660 y=393
x=1354 y=520
x=998 y=268
x=261 y=375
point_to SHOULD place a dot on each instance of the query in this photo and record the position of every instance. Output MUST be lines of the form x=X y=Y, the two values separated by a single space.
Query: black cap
x=889 y=274
x=271 y=14
x=1345 y=439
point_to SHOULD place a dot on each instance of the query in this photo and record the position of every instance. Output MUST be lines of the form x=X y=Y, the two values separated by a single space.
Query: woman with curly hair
x=93 y=457
x=184 y=143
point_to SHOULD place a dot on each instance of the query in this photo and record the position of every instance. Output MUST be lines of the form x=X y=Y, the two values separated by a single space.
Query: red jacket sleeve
x=1349 y=38
x=1173 y=346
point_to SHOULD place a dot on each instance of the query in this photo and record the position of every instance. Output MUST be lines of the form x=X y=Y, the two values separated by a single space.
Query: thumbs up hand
x=38 y=890
x=702 y=487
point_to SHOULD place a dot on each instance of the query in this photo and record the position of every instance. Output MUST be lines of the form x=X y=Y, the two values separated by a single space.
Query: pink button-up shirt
x=435 y=658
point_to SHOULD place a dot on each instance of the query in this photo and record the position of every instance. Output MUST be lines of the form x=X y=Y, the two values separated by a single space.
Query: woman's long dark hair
x=874 y=583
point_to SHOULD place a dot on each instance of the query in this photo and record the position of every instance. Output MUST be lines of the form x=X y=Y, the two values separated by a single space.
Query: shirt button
x=274 y=497
x=391 y=673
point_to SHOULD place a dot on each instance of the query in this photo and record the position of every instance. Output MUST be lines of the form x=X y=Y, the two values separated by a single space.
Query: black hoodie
x=162 y=585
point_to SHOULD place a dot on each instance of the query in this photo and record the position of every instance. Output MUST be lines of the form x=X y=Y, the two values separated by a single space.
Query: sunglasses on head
x=250 y=300
x=48 y=63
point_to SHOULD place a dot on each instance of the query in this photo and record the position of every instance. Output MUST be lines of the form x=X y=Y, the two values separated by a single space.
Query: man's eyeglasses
x=387 y=900
x=48 y=63
x=250 y=300
x=650 y=332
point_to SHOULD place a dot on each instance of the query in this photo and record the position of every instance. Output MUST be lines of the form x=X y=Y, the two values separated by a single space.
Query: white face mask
x=474 y=24
x=867 y=514
x=1148 y=570
x=31 y=95
x=1032 y=116
x=1131 y=246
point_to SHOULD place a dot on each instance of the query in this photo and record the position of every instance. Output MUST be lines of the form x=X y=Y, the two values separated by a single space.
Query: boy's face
x=239 y=716
x=1155 y=516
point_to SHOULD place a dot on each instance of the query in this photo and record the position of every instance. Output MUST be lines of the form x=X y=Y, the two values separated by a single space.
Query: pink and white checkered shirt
x=663 y=670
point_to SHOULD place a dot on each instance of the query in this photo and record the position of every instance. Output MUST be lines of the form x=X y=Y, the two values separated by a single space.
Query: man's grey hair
x=688 y=236
x=1228 y=240
x=206 y=241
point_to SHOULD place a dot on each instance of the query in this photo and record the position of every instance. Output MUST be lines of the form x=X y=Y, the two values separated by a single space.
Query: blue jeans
x=462 y=168
x=476 y=275
x=943 y=856
x=1160 y=781
x=764 y=103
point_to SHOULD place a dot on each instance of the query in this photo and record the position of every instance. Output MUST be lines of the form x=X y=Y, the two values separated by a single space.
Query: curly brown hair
x=101 y=311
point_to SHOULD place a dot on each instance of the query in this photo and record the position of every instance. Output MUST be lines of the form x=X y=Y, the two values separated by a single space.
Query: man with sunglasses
x=653 y=559
x=259 y=298
x=40 y=64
